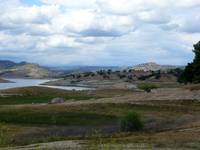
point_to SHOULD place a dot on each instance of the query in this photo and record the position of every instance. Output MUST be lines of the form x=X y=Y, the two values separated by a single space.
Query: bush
x=131 y=122
x=147 y=87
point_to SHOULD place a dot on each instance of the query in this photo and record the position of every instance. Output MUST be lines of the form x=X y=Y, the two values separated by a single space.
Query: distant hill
x=153 y=67
x=79 y=69
x=11 y=69
x=4 y=81
x=6 y=64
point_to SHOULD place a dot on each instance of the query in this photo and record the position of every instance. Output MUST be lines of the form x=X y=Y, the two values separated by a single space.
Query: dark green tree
x=191 y=74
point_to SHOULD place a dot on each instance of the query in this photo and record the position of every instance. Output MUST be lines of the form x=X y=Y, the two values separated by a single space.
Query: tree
x=191 y=74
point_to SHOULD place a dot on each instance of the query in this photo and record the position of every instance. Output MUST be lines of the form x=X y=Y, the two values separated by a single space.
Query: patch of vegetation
x=147 y=87
x=49 y=117
x=5 y=137
x=12 y=100
x=131 y=122
x=88 y=74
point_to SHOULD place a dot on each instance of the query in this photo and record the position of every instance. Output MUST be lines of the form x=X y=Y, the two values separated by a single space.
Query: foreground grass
x=45 y=123
x=168 y=124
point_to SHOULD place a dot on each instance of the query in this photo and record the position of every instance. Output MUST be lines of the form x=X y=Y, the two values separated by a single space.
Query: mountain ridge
x=152 y=66
x=10 y=69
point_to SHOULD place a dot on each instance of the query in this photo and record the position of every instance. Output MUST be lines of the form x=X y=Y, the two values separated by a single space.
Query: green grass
x=5 y=135
x=43 y=117
x=29 y=99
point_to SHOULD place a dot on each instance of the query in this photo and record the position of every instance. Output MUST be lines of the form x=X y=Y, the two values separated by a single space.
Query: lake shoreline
x=20 y=83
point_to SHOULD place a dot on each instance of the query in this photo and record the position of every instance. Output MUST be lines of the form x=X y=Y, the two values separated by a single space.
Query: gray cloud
x=102 y=33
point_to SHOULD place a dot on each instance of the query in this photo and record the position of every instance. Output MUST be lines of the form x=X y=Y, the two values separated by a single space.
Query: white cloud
x=188 y=3
x=155 y=17
x=71 y=3
x=100 y=31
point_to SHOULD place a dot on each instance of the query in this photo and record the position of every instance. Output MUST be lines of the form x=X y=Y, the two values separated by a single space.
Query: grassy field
x=168 y=124
x=43 y=117
x=37 y=95
x=157 y=121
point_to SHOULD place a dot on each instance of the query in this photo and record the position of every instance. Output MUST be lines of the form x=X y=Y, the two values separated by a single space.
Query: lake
x=16 y=83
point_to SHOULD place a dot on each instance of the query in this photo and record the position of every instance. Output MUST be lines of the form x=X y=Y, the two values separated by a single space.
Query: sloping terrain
x=153 y=67
x=125 y=79
x=28 y=70
x=6 y=64
x=11 y=69
x=4 y=81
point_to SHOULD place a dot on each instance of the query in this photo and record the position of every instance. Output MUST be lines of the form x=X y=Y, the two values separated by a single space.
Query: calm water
x=35 y=82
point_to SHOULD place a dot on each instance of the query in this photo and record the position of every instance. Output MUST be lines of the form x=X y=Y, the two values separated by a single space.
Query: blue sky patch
x=31 y=2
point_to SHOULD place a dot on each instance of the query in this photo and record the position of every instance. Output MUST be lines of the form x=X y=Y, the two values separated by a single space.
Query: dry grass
x=163 y=125
x=171 y=118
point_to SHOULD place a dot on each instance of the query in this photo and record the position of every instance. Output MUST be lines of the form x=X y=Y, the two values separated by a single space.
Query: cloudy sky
x=99 y=32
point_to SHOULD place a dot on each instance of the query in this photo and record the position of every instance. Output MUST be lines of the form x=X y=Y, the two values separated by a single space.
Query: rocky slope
x=152 y=67
x=4 y=81
x=11 y=69
x=28 y=71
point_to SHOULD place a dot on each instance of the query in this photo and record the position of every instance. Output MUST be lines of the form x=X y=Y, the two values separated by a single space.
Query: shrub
x=131 y=122
x=122 y=76
x=147 y=87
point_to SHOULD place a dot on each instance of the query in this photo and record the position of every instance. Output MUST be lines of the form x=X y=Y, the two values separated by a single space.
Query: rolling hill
x=11 y=69
x=152 y=66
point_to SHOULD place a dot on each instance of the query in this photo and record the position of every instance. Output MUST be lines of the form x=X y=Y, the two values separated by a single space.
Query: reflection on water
x=15 y=83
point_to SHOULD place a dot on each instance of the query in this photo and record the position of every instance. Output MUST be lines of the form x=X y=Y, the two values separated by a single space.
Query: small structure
x=57 y=100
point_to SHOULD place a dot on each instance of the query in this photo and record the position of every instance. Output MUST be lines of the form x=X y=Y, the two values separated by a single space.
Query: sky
x=99 y=32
